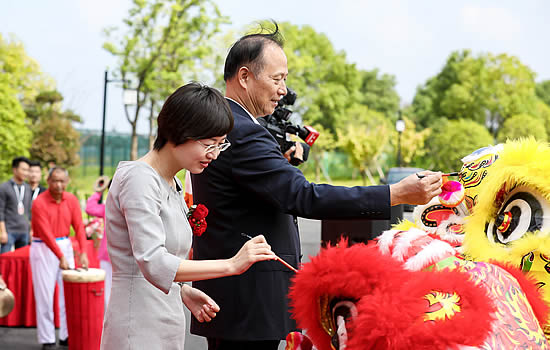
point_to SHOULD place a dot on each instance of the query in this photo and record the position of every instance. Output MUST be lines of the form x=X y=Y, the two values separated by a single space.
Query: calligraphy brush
x=277 y=258
x=421 y=176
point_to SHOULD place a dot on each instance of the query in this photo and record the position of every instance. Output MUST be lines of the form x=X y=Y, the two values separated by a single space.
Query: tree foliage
x=54 y=137
x=160 y=41
x=25 y=76
x=412 y=141
x=324 y=143
x=542 y=90
x=522 y=126
x=542 y=111
x=365 y=140
x=325 y=82
x=451 y=140
x=15 y=137
x=377 y=91
x=487 y=89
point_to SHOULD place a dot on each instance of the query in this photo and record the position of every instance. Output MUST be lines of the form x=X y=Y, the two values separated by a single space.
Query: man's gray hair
x=57 y=168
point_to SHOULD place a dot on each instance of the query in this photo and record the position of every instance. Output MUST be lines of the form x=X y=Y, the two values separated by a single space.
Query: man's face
x=35 y=174
x=21 y=172
x=267 y=87
x=57 y=182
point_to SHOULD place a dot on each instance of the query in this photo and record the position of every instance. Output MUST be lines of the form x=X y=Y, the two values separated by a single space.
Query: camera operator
x=279 y=126
x=296 y=151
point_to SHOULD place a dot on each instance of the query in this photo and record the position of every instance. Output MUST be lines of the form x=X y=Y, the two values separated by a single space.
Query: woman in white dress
x=148 y=234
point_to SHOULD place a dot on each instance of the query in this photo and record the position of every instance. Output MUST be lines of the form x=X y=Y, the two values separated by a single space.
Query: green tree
x=25 y=76
x=542 y=90
x=365 y=140
x=161 y=39
x=377 y=91
x=324 y=143
x=451 y=140
x=522 y=126
x=15 y=136
x=412 y=142
x=54 y=137
x=542 y=112
x=487 y=89
x=325 y=82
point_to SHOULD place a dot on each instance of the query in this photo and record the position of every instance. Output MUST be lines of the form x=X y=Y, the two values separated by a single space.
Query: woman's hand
x=251 y=252
x=200 y=304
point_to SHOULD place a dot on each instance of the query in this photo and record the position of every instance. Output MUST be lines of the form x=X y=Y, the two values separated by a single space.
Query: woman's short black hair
x=247 y=51
x=193 y=112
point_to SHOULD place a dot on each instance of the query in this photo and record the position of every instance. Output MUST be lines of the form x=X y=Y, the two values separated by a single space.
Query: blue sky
x=409 y=39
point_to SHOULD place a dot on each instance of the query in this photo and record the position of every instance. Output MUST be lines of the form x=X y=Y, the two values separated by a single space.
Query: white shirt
x=247 y=112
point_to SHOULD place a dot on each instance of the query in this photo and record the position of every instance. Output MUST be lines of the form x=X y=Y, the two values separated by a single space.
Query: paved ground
x=25 y=338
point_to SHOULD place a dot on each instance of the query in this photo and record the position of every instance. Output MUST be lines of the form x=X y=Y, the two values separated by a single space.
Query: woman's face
x=192 y=154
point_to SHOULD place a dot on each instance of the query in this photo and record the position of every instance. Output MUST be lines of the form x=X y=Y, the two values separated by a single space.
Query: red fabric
x=390 y=301
x=51 y=219
x=84 y=305
x=16 y=271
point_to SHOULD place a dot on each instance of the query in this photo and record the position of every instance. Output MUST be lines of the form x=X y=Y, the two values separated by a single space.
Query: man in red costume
x=53 y=214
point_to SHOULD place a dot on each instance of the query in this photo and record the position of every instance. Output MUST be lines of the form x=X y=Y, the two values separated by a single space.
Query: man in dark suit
x=252 y=189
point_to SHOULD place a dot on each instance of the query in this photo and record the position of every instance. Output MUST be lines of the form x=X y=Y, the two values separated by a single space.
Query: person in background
x=15 y=207
x=35 y=176
x=53 y=214
x=96 y=207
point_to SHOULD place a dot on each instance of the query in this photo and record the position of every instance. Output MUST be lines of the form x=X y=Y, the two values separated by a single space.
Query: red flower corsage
x=197 y=218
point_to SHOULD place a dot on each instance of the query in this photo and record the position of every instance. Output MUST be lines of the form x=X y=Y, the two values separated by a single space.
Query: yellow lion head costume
x=511 y=219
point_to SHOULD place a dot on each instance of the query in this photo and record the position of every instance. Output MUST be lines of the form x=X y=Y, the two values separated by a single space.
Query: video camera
x=279 y=126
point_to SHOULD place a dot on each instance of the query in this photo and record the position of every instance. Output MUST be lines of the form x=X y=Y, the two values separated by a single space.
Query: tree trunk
x=371 y=178
x=379 y=169
x=134 y=144
x=151 y=125
x=318 y=160
x=133 y=124
x=325 y=169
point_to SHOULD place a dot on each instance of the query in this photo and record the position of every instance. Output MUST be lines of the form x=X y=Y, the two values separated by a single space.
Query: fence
x=117 y=148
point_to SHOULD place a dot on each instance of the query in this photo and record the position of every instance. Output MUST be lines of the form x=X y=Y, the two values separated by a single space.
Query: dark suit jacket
x=251 y=188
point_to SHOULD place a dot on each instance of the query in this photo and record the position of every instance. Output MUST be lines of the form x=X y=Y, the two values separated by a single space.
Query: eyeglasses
x=211 y=148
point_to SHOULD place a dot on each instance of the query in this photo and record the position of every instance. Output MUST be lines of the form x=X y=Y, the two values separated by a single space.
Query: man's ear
x=243 y=75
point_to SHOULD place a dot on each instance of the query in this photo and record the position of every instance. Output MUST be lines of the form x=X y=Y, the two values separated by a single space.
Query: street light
x=400 y=127
x=102 y=144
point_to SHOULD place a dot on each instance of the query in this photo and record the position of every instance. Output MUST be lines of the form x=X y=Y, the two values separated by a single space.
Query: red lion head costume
x=358 y=298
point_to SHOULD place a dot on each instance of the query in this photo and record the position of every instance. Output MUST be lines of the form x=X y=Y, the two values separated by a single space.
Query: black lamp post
x=102 y=144
x=400 y=127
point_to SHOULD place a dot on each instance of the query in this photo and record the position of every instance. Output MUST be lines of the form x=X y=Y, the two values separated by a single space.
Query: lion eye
x=524 y=211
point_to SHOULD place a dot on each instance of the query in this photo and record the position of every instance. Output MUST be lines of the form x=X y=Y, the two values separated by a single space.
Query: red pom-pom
x=197 y=218
x=200 y=211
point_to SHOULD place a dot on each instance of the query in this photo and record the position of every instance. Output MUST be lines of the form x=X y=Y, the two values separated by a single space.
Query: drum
x=84 y=307
x=7 y=301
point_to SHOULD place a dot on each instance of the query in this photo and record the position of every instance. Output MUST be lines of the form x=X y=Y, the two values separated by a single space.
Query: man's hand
x=200 y=304
x=63 y=263
x=413 y=190
x=3 y=237
x=84 y=260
